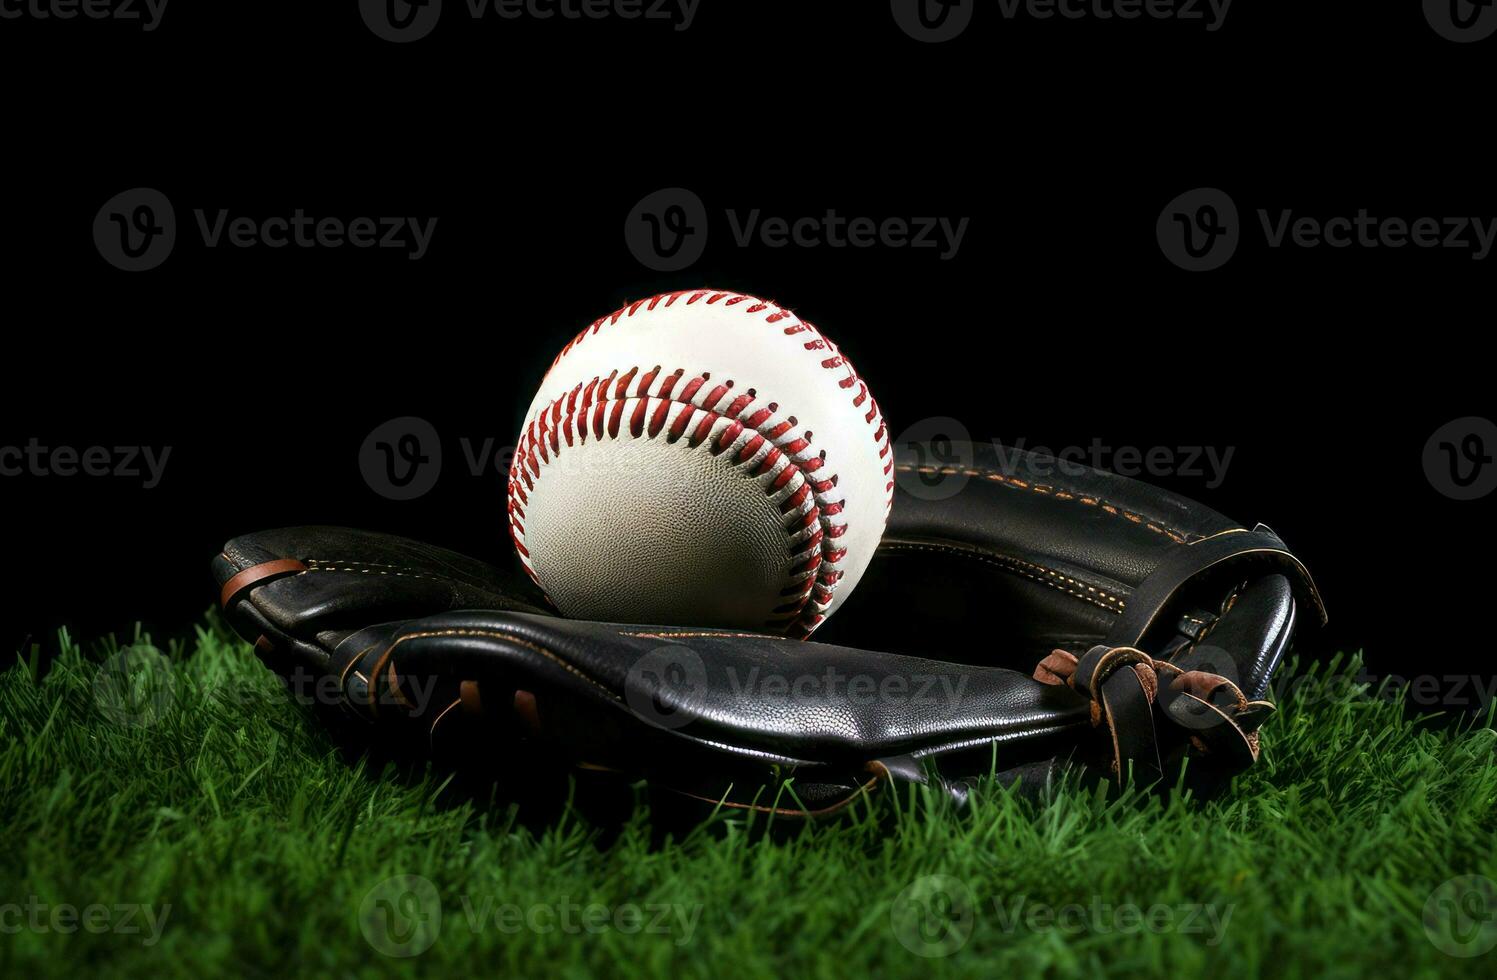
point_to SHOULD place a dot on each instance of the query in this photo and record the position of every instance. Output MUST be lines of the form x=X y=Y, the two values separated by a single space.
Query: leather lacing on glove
x=1157 y=711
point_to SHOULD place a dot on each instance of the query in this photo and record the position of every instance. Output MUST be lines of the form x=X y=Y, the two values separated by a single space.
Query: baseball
x=701 y=458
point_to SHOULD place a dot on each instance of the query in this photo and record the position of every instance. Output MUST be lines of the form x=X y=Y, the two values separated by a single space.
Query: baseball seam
x=762 y=442
x=752 y=306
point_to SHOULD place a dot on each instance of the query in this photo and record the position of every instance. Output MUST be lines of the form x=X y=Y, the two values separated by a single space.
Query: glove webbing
x=1205 y=712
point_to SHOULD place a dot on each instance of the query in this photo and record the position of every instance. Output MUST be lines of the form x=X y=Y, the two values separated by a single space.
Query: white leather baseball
x=701 y=458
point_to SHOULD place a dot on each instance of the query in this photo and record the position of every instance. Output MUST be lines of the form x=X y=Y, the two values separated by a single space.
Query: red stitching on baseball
x=754 y=305
x=807 y=509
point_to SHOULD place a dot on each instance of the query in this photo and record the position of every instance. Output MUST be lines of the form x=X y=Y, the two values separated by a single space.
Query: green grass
x=226 y=802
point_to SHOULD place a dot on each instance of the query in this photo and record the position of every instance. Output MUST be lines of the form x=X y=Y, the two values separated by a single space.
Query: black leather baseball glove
x=1014 y=622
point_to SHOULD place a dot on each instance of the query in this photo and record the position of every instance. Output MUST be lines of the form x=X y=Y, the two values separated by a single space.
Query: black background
x=1059 y=321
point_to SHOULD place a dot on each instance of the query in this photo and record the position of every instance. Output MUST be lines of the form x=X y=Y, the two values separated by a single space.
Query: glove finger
x=295 y=591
